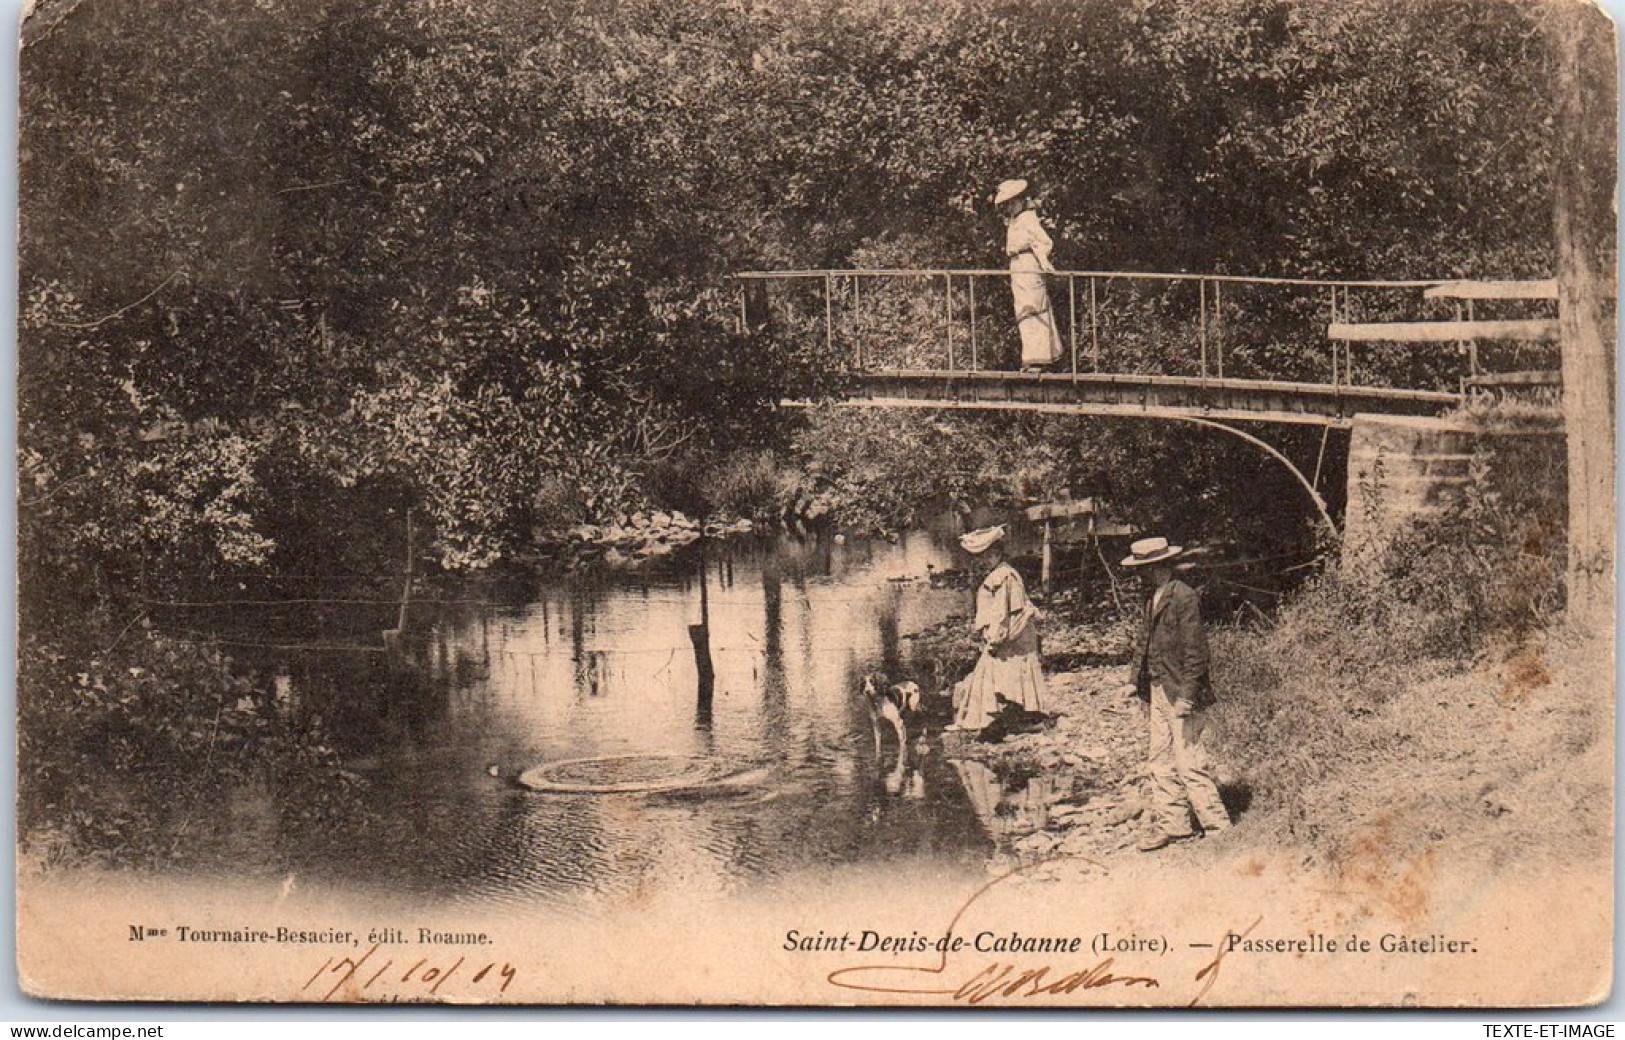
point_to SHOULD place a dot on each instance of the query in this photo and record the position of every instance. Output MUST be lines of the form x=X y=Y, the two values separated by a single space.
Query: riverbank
x=1070 y=789
x=1508 y=760
x=1089 y=763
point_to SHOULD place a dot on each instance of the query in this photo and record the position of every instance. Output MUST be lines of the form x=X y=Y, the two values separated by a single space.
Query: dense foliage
x=468 y=252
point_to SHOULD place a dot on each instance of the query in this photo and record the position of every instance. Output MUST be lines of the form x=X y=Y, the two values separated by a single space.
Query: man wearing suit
x=1171 y=671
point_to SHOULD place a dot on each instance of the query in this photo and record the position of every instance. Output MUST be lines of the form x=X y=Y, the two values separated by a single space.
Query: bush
x=745 y=483
x=122 y=753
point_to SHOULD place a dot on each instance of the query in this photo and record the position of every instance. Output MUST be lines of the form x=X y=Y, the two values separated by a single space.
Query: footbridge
x=1204 y=346
x=1210 y=349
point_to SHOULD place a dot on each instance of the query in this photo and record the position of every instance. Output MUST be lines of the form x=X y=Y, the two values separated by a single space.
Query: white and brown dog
x=895 y=703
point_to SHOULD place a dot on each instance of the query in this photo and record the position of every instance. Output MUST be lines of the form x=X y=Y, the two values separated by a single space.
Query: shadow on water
x=741 y=661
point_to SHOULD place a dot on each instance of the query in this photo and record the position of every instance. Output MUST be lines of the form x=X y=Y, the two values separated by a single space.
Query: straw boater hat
x=978 y=542
x=1150 y=550
x=1009 y=190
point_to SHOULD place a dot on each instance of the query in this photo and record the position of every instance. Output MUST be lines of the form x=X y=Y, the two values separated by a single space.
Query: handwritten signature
x=1012 y=981
x=382 y=978
x=1210 y=971
x=994 y=980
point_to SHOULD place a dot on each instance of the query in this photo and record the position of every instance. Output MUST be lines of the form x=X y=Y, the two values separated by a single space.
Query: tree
x=1585 y=181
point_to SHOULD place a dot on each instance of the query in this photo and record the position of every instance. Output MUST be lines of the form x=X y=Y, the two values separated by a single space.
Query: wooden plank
x=1062 y=510
x=1543 y=290
x=1071 y=536
x=1552 y=378
x=1541 y=330
x=1089 y=382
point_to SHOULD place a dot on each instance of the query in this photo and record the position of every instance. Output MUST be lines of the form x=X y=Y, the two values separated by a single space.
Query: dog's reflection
x=897 y=705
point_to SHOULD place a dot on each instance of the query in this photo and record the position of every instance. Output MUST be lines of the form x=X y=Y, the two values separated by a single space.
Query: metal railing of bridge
x=1080 y=299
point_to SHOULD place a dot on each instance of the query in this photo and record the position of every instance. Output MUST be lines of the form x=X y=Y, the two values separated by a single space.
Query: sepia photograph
x=930 y=503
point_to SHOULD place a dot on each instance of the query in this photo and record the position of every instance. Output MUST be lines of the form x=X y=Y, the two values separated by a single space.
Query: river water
x=593 y=679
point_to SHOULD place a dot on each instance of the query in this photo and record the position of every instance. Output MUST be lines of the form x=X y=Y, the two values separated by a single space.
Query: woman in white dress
x=1028 y=245
x=1006 y=624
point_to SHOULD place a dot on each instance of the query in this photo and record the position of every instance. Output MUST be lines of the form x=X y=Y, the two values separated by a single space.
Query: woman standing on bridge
x=1028 y=245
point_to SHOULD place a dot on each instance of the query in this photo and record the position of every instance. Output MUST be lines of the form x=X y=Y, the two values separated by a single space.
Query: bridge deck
x=1148 y=396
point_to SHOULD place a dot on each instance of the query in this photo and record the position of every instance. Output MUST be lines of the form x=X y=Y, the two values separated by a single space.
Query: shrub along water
x=1376 y=674
x=129 y=754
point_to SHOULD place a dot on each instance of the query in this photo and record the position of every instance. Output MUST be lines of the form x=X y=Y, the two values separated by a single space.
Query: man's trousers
x=1181 y=782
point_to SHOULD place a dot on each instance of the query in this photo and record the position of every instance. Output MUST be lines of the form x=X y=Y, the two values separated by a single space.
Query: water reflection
x=906 y=778
x=1011 y=805
x=749 y=656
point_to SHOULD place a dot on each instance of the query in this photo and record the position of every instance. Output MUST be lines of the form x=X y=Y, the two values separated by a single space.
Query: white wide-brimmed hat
x=1150 y=550
x=1009 y=190
x=978 y=542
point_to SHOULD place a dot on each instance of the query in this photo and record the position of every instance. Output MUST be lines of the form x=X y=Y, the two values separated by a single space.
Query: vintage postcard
x=817 y=502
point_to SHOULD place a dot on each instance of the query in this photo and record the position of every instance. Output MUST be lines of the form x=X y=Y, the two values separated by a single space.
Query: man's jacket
x=1172 y=651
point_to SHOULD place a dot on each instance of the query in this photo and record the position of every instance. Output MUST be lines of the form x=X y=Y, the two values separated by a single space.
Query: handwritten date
x=377 y=977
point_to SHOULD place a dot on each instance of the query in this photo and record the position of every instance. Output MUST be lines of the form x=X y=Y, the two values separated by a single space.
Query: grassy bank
x=1429 y=693
x=1499 y=758
x=1495 y=753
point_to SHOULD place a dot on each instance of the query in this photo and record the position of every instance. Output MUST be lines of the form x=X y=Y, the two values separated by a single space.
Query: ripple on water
x=637 y=774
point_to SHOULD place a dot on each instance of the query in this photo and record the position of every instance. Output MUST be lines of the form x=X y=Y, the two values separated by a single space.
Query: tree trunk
x=1583 y=197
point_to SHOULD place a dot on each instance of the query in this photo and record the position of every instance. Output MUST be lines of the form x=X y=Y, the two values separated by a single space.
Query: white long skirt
x=1040 y=340
x=1014 y=674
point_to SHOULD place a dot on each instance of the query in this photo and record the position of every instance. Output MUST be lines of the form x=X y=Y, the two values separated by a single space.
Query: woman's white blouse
x=1025 y=234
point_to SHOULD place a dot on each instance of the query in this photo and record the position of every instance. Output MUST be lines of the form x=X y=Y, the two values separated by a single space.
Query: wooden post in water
x=700 y=636
x=392 y=636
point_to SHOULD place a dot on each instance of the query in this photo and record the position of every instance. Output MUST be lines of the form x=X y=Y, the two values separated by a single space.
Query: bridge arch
x=1274 y=453
x=1116 y=412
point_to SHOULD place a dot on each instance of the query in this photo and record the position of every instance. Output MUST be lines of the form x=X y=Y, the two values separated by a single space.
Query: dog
x=898 y=704
x=895 y=703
